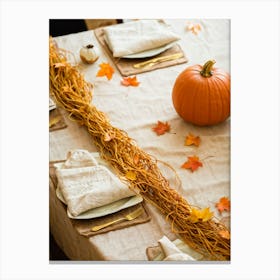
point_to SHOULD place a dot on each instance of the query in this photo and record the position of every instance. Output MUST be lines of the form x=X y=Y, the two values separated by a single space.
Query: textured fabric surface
x=137 y=110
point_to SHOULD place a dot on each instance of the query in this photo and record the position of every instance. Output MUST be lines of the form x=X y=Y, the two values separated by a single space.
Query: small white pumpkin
x=89 y=54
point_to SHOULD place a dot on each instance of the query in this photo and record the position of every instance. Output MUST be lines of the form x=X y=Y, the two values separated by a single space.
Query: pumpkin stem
x=207 y=67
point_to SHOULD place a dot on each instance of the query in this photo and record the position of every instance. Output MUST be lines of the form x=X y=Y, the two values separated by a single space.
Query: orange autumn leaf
x=161 y=128
x=130 y=175
x=224 y=234
x=223 y=204
x=193 y=27
x=193 y=163
x=130 y=81
x=192 y=140
x=105 y=70
x=202 y=215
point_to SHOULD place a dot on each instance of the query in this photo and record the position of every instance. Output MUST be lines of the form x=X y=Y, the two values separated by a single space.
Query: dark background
x=60 y=27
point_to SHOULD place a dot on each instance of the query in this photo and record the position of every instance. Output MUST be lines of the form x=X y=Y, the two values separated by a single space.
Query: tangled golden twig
x=74 y=94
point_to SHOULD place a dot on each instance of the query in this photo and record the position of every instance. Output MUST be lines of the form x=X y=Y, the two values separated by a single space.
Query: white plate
x=150 y=53
x=106 y=209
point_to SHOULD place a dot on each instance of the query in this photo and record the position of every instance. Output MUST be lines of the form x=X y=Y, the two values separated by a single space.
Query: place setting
x=94 y=198
x=139 y=46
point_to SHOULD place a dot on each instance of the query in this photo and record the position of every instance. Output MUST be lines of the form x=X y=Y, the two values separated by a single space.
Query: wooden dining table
x=136 y=110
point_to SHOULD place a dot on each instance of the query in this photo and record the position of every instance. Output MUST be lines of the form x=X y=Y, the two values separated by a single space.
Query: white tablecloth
x=136 y=110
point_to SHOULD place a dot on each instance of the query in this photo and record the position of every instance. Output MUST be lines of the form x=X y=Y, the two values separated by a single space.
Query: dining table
x=137 y=110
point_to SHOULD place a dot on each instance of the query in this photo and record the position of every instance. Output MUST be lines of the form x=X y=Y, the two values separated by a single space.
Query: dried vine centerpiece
x=74 y=94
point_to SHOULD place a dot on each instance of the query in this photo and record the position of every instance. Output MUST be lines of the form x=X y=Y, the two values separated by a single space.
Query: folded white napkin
x=171 y=252
x=85 y=184
x=138 y=36
x=51 y=104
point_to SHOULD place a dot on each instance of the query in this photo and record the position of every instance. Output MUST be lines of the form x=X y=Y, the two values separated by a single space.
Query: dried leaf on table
x=223 y=204
x=161 y=128
x=130 y=175
x=202 y=215
x=192 y=140
x=105 y=70
x=193 y=27
x=130 y=81
x=193 y=163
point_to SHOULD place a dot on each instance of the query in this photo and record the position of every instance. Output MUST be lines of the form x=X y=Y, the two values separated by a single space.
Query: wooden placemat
x=83 y=227
x=125 y=65
x=58 y=119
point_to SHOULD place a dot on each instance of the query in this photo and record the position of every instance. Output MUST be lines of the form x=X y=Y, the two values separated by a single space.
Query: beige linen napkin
x=171 y=252
x=86 y=185
x=168 y=250
x=52 y=104
x=125 y=65
x=138 y=36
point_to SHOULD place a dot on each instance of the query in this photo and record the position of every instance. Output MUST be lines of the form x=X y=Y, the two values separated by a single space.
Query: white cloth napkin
x=171 y=252
x=51 y=104
x=138 y=36
x=85 y=184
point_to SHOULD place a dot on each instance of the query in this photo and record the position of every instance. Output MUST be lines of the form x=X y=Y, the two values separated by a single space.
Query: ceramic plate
x=150 y=53
x=106 y=209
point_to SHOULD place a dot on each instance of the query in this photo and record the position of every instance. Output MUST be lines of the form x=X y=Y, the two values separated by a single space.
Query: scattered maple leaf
x=193 y=27
x=161 y=128
x=130 y=175
x=223 y=204
x=130 y=81
x=105 y=70
x=193 y=163
x=192 y=140
x=224 y=233
x=202 y=215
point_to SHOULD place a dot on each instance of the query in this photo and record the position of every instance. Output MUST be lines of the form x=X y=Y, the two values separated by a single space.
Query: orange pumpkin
x=201 y=94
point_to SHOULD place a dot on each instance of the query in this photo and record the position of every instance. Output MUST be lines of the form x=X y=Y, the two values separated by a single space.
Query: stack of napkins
x=138 y=36
x=86 y=185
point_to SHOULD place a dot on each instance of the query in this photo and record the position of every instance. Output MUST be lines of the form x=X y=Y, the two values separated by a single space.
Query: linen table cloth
x=137 y=110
